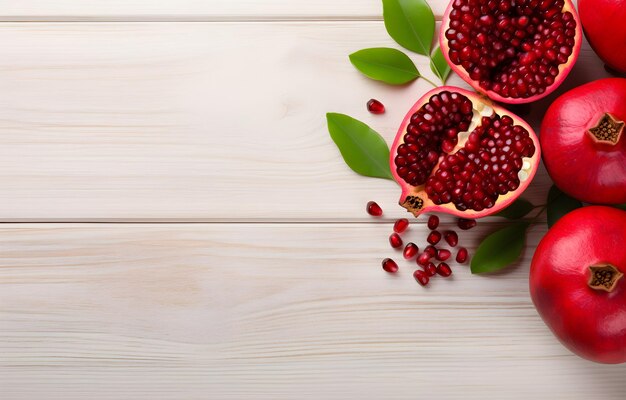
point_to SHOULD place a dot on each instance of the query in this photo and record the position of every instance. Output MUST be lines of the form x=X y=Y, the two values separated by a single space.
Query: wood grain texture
x=195 y=121
x=267 y=311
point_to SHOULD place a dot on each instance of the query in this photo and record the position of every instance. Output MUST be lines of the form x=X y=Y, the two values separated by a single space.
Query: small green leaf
x=439 y=65
x=410 y=23
x=560 y=204
x=384 y=64
x=518 y=209
x=500 y=249
x=362 y=148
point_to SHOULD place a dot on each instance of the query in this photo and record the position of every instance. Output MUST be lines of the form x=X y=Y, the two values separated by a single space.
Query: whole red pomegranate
x=458 y=153
x=584 y=144
x=604 y=23
x=577 y=282
x=514 y=51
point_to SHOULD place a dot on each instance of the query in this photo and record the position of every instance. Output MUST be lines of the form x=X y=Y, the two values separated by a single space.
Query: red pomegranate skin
x=581 y=167
x=604 y=24
x=590 y=322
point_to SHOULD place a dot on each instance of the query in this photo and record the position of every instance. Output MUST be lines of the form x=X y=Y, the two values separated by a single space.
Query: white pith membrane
x=417 y=199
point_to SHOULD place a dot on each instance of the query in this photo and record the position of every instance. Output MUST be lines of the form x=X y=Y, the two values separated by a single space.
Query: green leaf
x=410 y=23
x=560 y=204
x=439 y=65
x=518 y=209
x=362 y=148
x=384 y=64
x=500 y=249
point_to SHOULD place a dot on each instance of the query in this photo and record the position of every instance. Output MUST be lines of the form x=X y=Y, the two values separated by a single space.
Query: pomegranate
x=603 y=23
x=458 y=153
x=577 y=283
x=584 y=142
x=514 y=51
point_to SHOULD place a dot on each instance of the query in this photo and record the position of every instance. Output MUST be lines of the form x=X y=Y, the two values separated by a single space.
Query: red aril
x=434 y=237
x=514 y=51
x=390 y=266
x=451 y=238
x=443 y=254
x=458 y=153
x=444 y=269
x=373 y=209
x=430 y=269
x=401 y=225
x=375 y=107
x=462 y=255
x=466 y=224
x=423 y=259
x=431 y=250
x=433 y=222
x=395 y=240
x=410 y=251
x=421 y=277
x=584 y=137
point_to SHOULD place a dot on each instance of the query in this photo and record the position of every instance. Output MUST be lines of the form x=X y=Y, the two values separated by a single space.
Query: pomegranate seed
x=461 y=256
x=423 y=259
x=434 y=237
x=421 y=277
x=433 y=222
x=375 y=107
x=431 y=250
x=410 y=251
x=374 y=209
x=390 y=266
x=451 y=238
x=401 y=225
x=444 y=269
x=466 y=224
x=443 y=254
x=430 y=269
x=395 y=240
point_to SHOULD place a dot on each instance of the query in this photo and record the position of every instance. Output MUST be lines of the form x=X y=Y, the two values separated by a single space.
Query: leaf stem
x=429 y=81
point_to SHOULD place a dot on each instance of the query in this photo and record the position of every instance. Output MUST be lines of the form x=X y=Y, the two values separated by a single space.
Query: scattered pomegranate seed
x=410 y=251
x=434 y=237
x=421 y=277
x=395 y=240
x=390 y=266
x=451 y=238
x=431 y=250
x=373 y=209
x=401 y=225
x=423 y=259
x=461 y=256
x=375 y=107
x=444 y=269
x=466 y=224
x=433 y=222
x=430 y=269
x=443 y=254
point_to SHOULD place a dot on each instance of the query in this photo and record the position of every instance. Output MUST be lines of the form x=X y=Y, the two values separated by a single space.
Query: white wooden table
x=177 y=223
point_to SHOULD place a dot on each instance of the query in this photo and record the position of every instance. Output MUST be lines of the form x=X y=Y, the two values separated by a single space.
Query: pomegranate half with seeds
x=458 y=153
x=583 y=136
x=577 y=282
x=514 y=51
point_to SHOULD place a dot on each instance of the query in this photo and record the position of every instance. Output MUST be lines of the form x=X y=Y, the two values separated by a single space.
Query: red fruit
x=423 y=259
x=451 y=238
x=373 y=209
x=458 y=153
x=421 y=277
x=401 y=225
x=410 y=251
x=375 y=107
x=584 y=138
x=514 y=52
x=390 y=266
x=431 y=269
x=466 y=224
x=443 y=254
x=444 y=269
x=577 y=283
x=461 y=256
x=395 y=240
x=434 y=237
x=431 y=250
x=433 y=222
x=603 y=23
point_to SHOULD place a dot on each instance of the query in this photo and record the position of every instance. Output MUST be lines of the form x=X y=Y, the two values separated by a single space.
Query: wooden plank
x=203 y=121
x=267 y=311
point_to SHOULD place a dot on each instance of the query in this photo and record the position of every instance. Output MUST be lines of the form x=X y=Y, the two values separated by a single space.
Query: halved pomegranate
x=514 y=51
x=458 y=153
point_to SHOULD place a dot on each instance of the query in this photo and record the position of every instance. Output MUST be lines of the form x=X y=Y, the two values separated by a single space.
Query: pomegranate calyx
x=604 y=277
x=413 y=204
x=608 y=130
